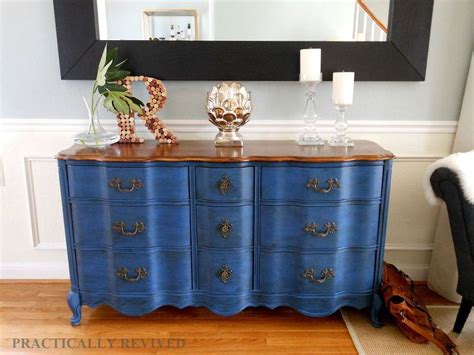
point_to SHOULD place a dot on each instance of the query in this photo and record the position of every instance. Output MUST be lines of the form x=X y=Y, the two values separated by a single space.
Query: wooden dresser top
x=262 y=151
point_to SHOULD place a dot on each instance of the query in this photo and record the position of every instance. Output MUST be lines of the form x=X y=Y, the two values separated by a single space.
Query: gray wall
x=380 y=8
x=31 y=86
x=239 y=20
x=277 y=20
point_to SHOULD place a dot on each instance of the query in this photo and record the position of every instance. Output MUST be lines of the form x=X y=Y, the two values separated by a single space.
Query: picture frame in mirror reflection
x=173 y=21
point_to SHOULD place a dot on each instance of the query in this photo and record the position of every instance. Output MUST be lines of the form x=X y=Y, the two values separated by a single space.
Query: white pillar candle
x=310 y=64
x=342 y=88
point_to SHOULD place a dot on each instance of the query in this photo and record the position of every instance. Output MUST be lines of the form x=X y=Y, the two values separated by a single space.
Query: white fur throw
x=460 y=163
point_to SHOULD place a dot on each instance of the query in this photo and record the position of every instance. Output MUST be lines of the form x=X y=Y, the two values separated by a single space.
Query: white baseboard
x=34 y=271
x=409 y=246
x=416 y=272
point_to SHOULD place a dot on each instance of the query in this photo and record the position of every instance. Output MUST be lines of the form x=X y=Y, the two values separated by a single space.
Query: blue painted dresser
x=272 y=224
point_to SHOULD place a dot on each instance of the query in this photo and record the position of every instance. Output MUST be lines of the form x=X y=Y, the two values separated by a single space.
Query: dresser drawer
x=131 y=184
x=225 y=227
x=350 y=271
x=322 y=184
x=225 y=272
x=133 y=272
x=225 y=184
x=348 y=225
x=131 y=226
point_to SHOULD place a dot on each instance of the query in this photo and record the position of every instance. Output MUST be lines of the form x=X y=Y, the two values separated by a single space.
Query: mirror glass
x=243 y=20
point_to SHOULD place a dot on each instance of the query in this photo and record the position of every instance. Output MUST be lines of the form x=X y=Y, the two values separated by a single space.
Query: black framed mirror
x=400 y=55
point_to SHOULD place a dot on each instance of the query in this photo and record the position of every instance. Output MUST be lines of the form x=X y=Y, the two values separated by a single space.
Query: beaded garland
x=126 y=122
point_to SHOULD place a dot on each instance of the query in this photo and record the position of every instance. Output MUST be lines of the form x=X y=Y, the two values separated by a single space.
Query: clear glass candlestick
x=310 y=118
x=340 y=139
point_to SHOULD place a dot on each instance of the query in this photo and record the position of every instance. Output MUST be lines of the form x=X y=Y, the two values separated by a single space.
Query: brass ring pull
x=225 y=273
x=329 y=228
x=116 y=183
x=331 y=184
x=224 y=185
x=123 y=274
x=326 y=274
x=119 y=227
x=224 y=228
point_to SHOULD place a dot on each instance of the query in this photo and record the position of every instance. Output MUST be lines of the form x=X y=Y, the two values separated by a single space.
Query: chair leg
x=463 y=313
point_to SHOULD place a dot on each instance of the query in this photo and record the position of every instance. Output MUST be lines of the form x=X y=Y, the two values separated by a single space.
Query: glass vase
x=95 y=136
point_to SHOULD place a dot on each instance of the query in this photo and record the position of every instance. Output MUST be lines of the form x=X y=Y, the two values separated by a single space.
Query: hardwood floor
x=38 y=310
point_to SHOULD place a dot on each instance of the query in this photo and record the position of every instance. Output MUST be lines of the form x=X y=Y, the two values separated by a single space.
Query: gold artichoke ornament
x=229 y=106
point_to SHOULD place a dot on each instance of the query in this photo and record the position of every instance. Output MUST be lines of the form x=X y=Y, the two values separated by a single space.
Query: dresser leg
x=74 y=302
x=375 y=311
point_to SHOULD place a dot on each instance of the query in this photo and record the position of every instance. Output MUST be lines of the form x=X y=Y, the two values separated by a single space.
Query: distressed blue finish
x=211 y=262
x=167 y=183
x=210 y=219
x=74 y=303
x=167 y=270
x=165 y=224
x=284 y=226
x=377 y=300
x=228 y=304
x=283 y=272
x=73 y=297
x=241 y=188
x=182 y=250
x=289 y=183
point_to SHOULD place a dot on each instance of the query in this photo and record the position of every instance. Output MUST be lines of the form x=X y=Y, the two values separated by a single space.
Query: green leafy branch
x=116 y=98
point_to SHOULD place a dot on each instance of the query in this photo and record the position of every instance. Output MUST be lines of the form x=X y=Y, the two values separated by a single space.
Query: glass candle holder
x=340 y=139
x=310 y=135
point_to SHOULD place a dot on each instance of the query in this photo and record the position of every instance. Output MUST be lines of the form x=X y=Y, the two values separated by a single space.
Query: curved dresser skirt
x=228 y=305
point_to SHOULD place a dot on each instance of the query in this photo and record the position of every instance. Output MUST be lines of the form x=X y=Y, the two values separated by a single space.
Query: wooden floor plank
x=31 y=309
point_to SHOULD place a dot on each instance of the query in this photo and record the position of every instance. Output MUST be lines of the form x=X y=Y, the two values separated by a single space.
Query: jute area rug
x=390 y=340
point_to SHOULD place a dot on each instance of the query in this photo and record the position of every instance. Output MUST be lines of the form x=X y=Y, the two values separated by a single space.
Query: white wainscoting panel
x=31 y=231
x=409 y=211
x=411 y=220
x=44 y=199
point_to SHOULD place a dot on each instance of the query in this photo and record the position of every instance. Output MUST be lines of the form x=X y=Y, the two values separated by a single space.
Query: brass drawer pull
x=326 y=274
x=123 y=274
x=116 y=183
x=224 y=228
x=331 y=184
x=329 y=228
x=119 y=227
x=224 y=185
x=225 y=273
